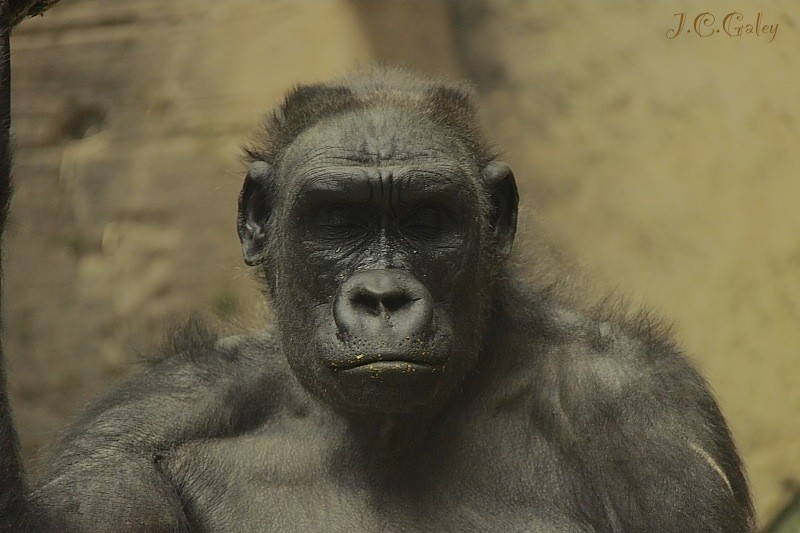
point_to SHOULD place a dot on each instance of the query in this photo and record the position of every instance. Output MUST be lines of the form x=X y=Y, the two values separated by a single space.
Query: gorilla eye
x=423 y=222
x=340 y=221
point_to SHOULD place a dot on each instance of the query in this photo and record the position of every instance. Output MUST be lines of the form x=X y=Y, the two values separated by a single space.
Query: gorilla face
x=378 y=259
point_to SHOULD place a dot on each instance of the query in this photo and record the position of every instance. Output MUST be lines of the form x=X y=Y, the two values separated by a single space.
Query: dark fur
x=450 y=105
x=564 y=421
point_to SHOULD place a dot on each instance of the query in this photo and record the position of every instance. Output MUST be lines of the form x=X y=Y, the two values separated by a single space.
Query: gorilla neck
x=392 y=435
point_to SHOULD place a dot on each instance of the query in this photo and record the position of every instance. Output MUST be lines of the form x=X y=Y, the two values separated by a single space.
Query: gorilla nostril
x=396 y=302
x=368 y=303
x=376 y=304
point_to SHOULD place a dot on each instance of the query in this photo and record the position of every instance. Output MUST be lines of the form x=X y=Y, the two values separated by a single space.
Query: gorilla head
x=380 y=219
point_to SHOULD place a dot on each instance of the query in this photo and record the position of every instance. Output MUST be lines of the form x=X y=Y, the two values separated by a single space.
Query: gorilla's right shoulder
x=194 y=360
x=196 y=341
x=208 y=385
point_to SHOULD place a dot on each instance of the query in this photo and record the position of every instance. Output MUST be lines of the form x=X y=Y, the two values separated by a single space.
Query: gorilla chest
x=294 y=480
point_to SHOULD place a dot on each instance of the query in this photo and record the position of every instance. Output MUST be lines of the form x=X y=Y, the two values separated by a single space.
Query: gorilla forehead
x=377 y=137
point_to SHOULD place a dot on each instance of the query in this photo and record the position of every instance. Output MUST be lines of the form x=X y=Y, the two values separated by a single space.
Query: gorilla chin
x=390 y=375
x=388 y=386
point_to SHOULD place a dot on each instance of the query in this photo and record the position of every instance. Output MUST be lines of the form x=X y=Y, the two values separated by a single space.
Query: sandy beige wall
x=668 y=168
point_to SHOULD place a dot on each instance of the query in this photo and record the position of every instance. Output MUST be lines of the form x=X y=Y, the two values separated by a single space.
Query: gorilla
x=412 y=380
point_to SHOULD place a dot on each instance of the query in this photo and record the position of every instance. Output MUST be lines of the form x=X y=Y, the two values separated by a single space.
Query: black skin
x=412 y=381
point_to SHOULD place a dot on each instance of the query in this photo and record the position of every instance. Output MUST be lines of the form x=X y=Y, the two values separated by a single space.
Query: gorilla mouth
x=388 y=363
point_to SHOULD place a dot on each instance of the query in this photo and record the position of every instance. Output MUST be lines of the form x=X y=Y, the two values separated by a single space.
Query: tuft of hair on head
x=453 y=107
x=449 y=105
x=303 y=106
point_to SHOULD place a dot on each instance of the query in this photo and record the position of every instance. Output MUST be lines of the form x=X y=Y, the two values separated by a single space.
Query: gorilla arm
x=644 y=426
x=106 y=476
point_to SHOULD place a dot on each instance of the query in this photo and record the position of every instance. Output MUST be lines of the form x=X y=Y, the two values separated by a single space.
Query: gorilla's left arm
x=646 y=427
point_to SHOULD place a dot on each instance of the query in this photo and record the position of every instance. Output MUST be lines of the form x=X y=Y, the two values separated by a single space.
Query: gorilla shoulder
x=619 y=395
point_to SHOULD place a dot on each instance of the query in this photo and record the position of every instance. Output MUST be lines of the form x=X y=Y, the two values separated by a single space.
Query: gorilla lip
x=392 y=363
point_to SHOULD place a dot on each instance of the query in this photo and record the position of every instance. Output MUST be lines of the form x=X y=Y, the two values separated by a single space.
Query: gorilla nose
x=386 y=303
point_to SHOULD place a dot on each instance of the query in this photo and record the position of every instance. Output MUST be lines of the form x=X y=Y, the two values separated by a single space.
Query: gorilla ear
x=500 y=181
x=255 y=207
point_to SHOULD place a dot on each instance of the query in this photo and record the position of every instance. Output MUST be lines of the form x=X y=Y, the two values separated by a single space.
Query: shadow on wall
x=434 y=38
x=416 y=35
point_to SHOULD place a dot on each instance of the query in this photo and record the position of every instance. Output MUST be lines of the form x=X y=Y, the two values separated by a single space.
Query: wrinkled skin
x=401 y=212
x=412 y=382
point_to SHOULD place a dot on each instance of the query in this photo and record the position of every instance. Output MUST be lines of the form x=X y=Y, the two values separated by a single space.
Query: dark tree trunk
x=20 y=9
x=13 y=490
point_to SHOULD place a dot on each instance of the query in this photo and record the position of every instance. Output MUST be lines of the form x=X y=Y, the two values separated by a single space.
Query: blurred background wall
x=667 y=169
